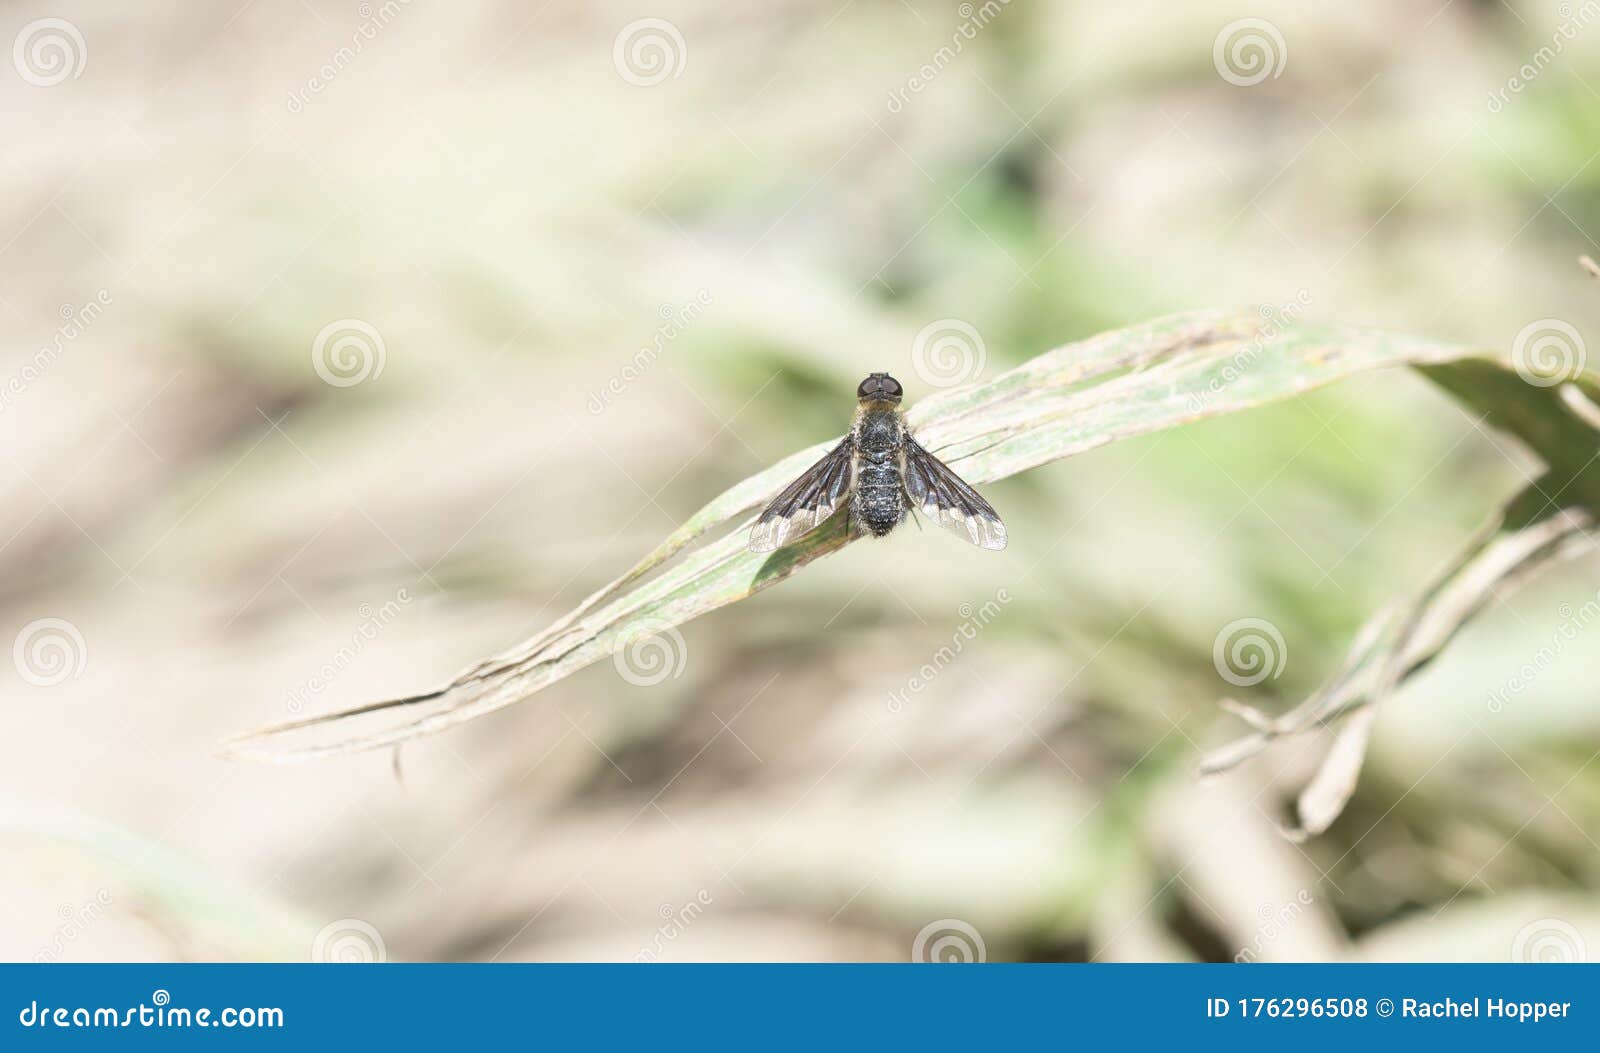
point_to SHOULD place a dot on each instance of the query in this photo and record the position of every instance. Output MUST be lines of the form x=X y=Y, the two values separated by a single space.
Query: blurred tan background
x=345 y=344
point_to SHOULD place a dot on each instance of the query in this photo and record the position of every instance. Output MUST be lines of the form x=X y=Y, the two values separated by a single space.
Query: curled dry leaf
x=1546 y=523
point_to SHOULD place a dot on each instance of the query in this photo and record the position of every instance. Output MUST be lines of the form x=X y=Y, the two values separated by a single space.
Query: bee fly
x=883 y=474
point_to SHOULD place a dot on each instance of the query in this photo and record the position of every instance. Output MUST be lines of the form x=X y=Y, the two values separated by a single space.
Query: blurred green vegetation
x=512 y=215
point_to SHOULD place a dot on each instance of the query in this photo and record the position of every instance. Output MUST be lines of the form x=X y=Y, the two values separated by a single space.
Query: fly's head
x=880 y=391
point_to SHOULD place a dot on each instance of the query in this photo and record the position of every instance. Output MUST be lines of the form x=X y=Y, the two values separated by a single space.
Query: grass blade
x=1074 y=398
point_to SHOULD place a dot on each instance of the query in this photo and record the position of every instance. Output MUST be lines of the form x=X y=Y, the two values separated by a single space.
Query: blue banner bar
x=797 y=1006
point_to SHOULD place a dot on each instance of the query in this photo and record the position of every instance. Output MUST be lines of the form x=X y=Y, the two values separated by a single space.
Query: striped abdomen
x=878 y=504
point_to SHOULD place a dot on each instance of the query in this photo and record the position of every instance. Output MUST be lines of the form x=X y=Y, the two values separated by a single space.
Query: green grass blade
x=1074 y=398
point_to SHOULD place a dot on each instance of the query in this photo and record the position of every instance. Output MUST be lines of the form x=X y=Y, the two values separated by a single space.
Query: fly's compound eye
x=880 y=386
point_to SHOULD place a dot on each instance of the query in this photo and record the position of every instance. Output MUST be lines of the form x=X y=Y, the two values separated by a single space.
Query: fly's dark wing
x=805 y=503
x=943 y=497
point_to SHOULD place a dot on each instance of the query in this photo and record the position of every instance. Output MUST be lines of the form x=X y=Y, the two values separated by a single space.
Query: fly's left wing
x=944 y=497
x=804 y=504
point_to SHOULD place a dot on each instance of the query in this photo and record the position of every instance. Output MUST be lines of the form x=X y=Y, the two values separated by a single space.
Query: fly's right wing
x=946 y=498
x=807 y=502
